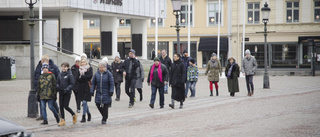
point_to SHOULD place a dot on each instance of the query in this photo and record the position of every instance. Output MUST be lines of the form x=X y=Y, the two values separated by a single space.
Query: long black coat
x=233 y=83
x=177 y=79
x=75 y=73
x=117 y=76
x=84 y=89
x=135 y=65
x=166 y=61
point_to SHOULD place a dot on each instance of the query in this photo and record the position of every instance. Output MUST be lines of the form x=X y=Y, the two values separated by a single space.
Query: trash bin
x=7 y=68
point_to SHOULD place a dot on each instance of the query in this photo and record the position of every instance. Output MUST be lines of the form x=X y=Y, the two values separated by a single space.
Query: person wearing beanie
x=130 y=72
x=83 y=56
x=157 y=78
x=75 y=88
x=213 y=72
x=192 y=77
x=165 y=60
x=248 y=68
x=186 y=58
x=117 y=72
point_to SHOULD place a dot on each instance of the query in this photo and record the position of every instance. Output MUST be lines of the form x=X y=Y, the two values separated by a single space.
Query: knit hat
x=83 y=55
x=117 y=55
x=77 y=59
x=213 y=54
x=192 y=61
x=248 y=52
x=45 y=65
x=105 y=59
x=185 y=51
x=156 y=59
x=133 y=51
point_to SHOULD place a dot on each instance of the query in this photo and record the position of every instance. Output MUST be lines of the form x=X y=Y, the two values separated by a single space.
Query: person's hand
x=194 y=65
x=124 y=73
x=165 y=83
x=148 y=84
x=117 y=70
x=111 y=94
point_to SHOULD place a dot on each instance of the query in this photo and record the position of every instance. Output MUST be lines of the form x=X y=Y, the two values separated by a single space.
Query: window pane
x=296 y=15
x=183 y=8
x=296 y=4
x=250 y=6
x=190 y=7
x=257 y=6
x=289 y=16
x=317 y=14
x=211 y=14
x=191 y=18
x=211 y=7
x=160 y=20
x=289 y=4
x=317 y=4
x=250 y=16
x=256 y=16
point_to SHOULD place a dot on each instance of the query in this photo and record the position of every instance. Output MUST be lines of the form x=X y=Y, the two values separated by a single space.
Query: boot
x=252 y=93
x=181 y=105
x=62 y=122
x=57 y=119
x=211 y=93
x=141 y=97
x=45 y=122
x=83 y=120
x=172 y=104
x=89 y=117
x=39 y=118
x=217 y=93
x=151 y=105
x=74 y=117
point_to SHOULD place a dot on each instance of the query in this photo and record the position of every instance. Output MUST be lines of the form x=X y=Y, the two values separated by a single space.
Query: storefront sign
x=112 y=2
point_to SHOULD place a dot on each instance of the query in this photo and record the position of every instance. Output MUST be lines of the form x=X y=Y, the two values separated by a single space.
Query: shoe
x=83 y=120
x=151 y=105
x=217 y=93
x=117 y=99
x=78 y=110
x=181 y=107
x=57 y=119
x=249 y=94
x=166 y=92
x=252 y=93
x=134 y=99
x=170 y=105
x=191 y=96
x=130 y=105
x=103 y=122
x=141 y=98
x=211 y=93
x=39 y=118
x=161 y=107
x=62 y=122
x=74 y=118
x=45 y=122
x=89 y=117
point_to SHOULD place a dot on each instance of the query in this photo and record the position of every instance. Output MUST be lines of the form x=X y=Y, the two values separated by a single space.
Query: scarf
x=163 y=57
x=159 y=72
x=83 y=69
x=213 y=63
x=117 y=62
x=77 y=66
x=230 y=69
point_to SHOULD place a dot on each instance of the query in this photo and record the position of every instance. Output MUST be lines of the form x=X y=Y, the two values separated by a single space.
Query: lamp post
x=176 y=4
x=311 y=42
x=265 y=19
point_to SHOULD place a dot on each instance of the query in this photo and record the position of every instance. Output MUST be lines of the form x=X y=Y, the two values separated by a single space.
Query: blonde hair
x=84 y=60
x=45 y=58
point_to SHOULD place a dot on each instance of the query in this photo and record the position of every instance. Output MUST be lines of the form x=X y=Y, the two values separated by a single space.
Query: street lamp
x=176 y=5
x=265 y=19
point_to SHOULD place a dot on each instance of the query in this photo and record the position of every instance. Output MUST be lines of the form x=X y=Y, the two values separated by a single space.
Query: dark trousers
x=118 y=90
x=64 y=100
x=78 y=102
x=103 y=109
x=249 y=79
x=154 y=94
x=140 y=92
x=130 y=86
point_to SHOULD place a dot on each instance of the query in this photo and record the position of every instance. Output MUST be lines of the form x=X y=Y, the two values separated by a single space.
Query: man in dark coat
x=178 y=73
x=130 y=66
x=185 y=58
x=53 y=69
x=75 y=88
x=165 y=60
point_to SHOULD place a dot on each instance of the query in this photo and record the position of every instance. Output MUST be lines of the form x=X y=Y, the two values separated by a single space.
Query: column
x=71 y=31
x=109 y=36
x=139 y=37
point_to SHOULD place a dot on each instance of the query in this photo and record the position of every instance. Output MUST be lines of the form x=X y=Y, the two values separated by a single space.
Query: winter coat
x=65 y=82
x=192 y=73
x=186 y=64
x=84 y=90
x=140 y=77
x=233 y=83
x=47 y=86
x=166 y=61
x=52 y=68
x=75 y=73
x=249 y=65
x=213 y=72
x=117 y=76
x=104 y=85
x=135 y=65
x=155 y=80
x=177 y=80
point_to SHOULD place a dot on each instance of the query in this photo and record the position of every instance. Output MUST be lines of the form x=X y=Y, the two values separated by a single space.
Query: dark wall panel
x=67 y=40
x=137 y=43
x=106 y=43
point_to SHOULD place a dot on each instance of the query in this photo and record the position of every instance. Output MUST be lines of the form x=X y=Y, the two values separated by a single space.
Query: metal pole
x=178 y=39
x=244 y=27
x=313 y=61
x=189 y=23
x=40 y=29
x=156 y=29
x=266 y=76
x=218 y=42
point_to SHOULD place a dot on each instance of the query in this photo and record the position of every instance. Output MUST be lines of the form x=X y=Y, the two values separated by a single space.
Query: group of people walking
x=181 y=74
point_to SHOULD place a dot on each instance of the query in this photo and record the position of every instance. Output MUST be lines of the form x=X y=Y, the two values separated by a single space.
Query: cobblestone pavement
x=291 y=107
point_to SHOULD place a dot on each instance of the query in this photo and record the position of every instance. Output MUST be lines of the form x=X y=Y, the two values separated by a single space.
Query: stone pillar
x=139 y=34
x=72 y=20
x=109 y=36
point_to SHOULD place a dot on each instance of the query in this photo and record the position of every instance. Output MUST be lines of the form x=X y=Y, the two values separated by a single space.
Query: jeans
x=192 y=86
x=166 y=87
x=64 y=100
x=249 y=79
x=51 y=107
x=78 y=102
x=186 y=90
x=129 y=87
x=118 y=90
x=154 y=93
x=85 y=108
x=103 y=109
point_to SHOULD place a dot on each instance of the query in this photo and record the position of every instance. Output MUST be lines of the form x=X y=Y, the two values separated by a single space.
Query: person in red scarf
x=157 y=78
x=75 y=73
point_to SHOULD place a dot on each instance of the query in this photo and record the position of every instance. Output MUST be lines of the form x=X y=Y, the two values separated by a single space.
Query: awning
x=210 y=44
x=305 y=38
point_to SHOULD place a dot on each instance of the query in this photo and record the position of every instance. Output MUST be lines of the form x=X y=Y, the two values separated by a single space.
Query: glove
x=142 y=79
x=111 y=94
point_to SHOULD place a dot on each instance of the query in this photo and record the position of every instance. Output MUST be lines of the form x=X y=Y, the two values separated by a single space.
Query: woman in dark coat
x=232 y=73
x=85 y=75
x=117 y=73
x=75 y=73
x=177 y=79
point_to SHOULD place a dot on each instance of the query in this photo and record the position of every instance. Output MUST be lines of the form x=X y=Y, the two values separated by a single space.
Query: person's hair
x=230 y=59
x=164 y=50
x=66 y=64
x=178 y=55
x=45 y=57
x=103 y=63
x=84 y=60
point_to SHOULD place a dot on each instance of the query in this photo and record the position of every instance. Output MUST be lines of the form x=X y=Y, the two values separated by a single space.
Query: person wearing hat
x=75 y=88
x=192 y=77
x=130 y=72
x=157 y=78
x=248 y=68
x=117 y=72
x=47 y=93
x=186 y=58
x=213 y=70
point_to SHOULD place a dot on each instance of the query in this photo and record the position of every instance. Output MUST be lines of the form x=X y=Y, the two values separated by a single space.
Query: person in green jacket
x=47 y=92
x=213 y=71
x=192 y=77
